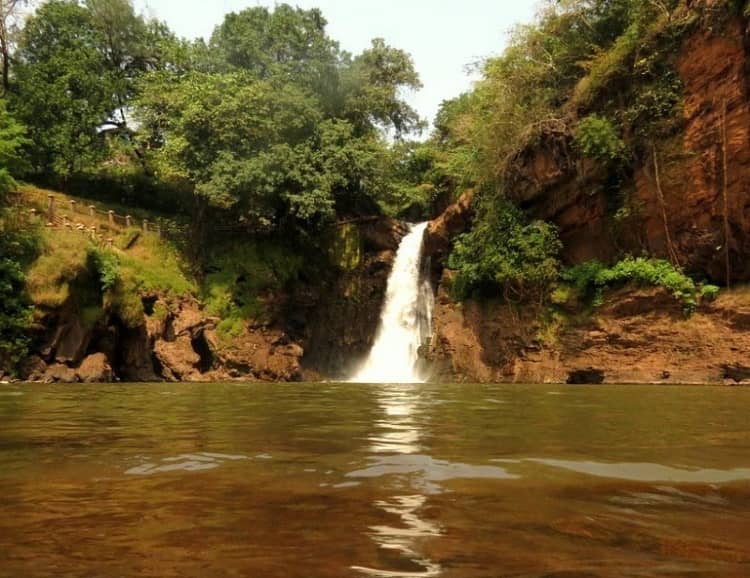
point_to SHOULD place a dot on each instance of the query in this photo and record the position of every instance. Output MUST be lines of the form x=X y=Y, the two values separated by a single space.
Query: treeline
x=268 y=124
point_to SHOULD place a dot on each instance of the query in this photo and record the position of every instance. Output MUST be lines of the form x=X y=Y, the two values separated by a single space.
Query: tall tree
x=287 y=42
x=10 y=13
x=65 y=87
x=372 y=86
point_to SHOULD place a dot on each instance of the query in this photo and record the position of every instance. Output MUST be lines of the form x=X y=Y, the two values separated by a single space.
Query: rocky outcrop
x=636 y=336
x=176 y=341
x=328 y=321
x=441 y=232
x=95 y=369
x=714 y=67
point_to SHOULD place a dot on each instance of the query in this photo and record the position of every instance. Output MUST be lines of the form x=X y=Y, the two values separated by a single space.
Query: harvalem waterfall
x=405 y=322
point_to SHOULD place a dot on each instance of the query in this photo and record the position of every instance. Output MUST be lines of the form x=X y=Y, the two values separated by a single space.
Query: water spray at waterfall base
x=405 y=322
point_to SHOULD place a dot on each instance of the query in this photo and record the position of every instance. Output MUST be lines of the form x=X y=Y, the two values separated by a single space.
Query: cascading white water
x=405 y=321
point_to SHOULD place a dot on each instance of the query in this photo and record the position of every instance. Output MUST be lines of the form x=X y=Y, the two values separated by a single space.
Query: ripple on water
x=648 y=472
x=184 y=462
x=430 y=470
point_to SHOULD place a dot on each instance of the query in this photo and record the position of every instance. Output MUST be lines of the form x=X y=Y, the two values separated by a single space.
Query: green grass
x=155 y=266
x=63 y=258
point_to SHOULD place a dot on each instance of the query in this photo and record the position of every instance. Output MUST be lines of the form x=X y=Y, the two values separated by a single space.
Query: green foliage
x=64 y=92
x=504 y=252
x=284 y=43
x=75 y=74
x=595 y=137
x=19 y=243
x=592 y=277
x=345 y=248
x=242 y=276
x=105 y=265
x=371 y=89
x=124 y=300
x=709 y=292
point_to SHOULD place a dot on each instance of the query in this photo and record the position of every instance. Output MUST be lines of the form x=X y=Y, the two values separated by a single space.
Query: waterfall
x=405 y=322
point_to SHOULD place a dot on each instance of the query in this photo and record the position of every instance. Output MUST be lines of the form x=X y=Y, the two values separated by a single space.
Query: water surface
x=312 y=480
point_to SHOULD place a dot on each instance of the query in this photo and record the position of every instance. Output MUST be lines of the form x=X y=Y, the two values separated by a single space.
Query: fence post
x=72 y=206
x=51 y=207
x=128 y=221
x=145 y=225
x=92 y=208
x=158 y=230
x=111 y=217
x=65 y=220
x=92 y=232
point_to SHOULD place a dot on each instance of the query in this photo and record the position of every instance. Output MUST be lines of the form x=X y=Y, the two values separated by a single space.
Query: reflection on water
x=331 y=480
x=186 y=462
x=398 y=432
x=644 y=472
x=402 y=541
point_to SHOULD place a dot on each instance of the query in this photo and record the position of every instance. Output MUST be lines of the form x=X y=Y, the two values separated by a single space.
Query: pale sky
x=442 y=36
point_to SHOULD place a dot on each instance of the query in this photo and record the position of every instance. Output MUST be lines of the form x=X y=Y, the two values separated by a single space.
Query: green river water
x=338 y=480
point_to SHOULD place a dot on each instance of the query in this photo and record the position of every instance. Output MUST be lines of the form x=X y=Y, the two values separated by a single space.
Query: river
x=338 y=480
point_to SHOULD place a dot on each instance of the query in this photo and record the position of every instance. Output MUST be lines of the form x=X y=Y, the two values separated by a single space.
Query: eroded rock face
x=713 y=66
x=551 y=182
x=336 y=318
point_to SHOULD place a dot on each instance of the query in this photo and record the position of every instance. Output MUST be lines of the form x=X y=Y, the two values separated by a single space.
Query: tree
x=65 y=88
x=11 y=12
x=372 y=86
x=130 y=46
x=77 y=72
x=288 y=43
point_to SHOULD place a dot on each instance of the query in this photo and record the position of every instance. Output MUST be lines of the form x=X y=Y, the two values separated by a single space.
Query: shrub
x=503 y=252
x=591 y=278
x=105 y=265
x=596 y=137
x=709 y=292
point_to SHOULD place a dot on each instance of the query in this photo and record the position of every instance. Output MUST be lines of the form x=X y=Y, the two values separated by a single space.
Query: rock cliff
x=704 y=170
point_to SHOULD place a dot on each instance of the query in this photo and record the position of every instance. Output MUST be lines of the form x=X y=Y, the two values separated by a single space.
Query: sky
x=444 y=37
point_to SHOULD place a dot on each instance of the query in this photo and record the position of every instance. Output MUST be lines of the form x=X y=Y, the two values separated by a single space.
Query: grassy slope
x=147 y=263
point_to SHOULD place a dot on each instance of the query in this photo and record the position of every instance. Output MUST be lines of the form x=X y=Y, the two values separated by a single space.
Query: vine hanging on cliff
x=660 y=195
x=724 y=187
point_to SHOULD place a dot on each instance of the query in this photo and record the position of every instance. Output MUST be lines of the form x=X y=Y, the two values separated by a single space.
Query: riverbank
x=638 y=336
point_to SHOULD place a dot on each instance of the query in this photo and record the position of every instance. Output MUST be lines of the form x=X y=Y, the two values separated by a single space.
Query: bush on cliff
x=504 y=253
x=590 y=279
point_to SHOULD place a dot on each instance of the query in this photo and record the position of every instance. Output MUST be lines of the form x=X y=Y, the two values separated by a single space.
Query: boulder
x=33 y=369
x=60 y=373
x=178 y=359
x=95 y=369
